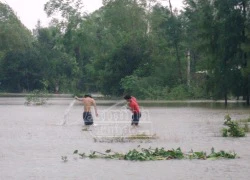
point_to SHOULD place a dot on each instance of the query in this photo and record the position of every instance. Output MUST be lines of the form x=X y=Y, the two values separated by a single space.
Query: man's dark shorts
x=136 y=118
x=87 y=118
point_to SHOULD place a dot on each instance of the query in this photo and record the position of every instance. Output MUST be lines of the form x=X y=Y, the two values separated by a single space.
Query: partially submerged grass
x=246 y=127
x=142 y=137
x=111 y=139
x=245 y=124
x=86 y=129
x=244 y=120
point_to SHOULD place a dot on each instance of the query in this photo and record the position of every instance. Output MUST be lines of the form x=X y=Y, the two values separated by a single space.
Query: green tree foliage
x=14 y=39
x=13 y=34
x=60 y=69
x=163 y=68
x=121 y=45
x=75 y=38
x=220 y=25
x=245 y=6
x=21 y=70
x=127 y=46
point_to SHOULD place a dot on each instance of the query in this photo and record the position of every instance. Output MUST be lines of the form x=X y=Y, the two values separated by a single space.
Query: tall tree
x=244 y=6
x=13 y=34
x=60 y=69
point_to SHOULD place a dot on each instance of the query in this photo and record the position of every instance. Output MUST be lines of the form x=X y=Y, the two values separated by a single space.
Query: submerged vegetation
x=37 y=97
x=233 y=128
x=245 y=124
x=141 y=137
x=150 y=154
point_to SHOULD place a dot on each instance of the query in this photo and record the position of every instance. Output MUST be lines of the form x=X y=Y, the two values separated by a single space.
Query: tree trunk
x=246 y=79
x=225 y=97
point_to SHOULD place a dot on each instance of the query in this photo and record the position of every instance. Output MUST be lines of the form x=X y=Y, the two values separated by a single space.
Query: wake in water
x=66 y=113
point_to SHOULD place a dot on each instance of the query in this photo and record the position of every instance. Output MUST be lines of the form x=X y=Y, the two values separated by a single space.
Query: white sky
x=30 y=11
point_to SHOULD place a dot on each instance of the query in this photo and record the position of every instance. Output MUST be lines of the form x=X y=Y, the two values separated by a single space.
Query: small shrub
x=37 y=97
x=233 y=130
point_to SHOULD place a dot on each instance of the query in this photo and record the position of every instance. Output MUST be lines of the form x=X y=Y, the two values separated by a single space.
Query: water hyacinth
x=149 y=154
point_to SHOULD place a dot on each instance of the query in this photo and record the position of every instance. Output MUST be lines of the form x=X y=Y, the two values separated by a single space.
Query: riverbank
x=102 y=97
x=66 y=99
x=52 y=95
x=26 y=94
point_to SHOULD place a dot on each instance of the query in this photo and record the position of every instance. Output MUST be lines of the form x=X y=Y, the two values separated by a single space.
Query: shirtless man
x=88 y=101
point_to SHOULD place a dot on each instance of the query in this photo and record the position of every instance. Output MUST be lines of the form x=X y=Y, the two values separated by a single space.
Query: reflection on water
x=203 y=104
x=112 y=103
x=32 y=142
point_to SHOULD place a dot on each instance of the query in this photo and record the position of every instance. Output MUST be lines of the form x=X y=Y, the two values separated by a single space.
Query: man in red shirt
x=135 y=109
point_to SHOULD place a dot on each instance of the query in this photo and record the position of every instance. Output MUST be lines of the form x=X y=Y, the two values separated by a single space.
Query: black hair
x=127 y=97
x=87 y=95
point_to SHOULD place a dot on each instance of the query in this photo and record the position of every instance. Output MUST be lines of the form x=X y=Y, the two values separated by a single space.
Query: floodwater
x=33 y=140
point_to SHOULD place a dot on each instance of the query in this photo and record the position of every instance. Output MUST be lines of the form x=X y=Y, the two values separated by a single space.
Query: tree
x=60 y=69
x=13 y=34
x=21 y=70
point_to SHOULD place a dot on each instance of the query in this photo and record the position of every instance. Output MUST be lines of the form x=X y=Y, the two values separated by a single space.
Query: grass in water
x=143 y=137
x=245 y=124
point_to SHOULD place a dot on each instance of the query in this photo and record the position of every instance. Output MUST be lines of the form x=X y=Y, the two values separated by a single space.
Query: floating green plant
x=221 y=154
x=149 y=154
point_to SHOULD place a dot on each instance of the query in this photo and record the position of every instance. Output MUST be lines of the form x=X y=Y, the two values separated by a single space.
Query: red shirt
x=133 y=98
x=134 y=106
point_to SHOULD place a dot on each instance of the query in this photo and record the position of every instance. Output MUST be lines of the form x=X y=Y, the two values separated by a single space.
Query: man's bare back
x=87 y=103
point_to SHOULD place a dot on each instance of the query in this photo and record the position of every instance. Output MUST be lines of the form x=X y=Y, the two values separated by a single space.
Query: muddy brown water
x=34 y=138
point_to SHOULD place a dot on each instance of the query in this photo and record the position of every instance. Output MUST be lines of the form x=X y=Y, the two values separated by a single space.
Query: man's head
x=87 y=95
x=127 y=97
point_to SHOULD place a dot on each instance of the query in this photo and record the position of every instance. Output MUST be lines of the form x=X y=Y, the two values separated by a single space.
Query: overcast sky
x=30 y=11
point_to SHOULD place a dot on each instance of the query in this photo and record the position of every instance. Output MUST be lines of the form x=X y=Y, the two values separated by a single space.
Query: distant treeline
x=138 y=47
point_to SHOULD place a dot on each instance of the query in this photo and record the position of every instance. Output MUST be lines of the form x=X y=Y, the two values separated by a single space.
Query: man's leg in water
x=135 y=119
x=88 y=119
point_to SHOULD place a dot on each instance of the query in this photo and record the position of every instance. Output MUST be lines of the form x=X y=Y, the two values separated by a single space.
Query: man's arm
x=79 y=99
x=94 y=104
